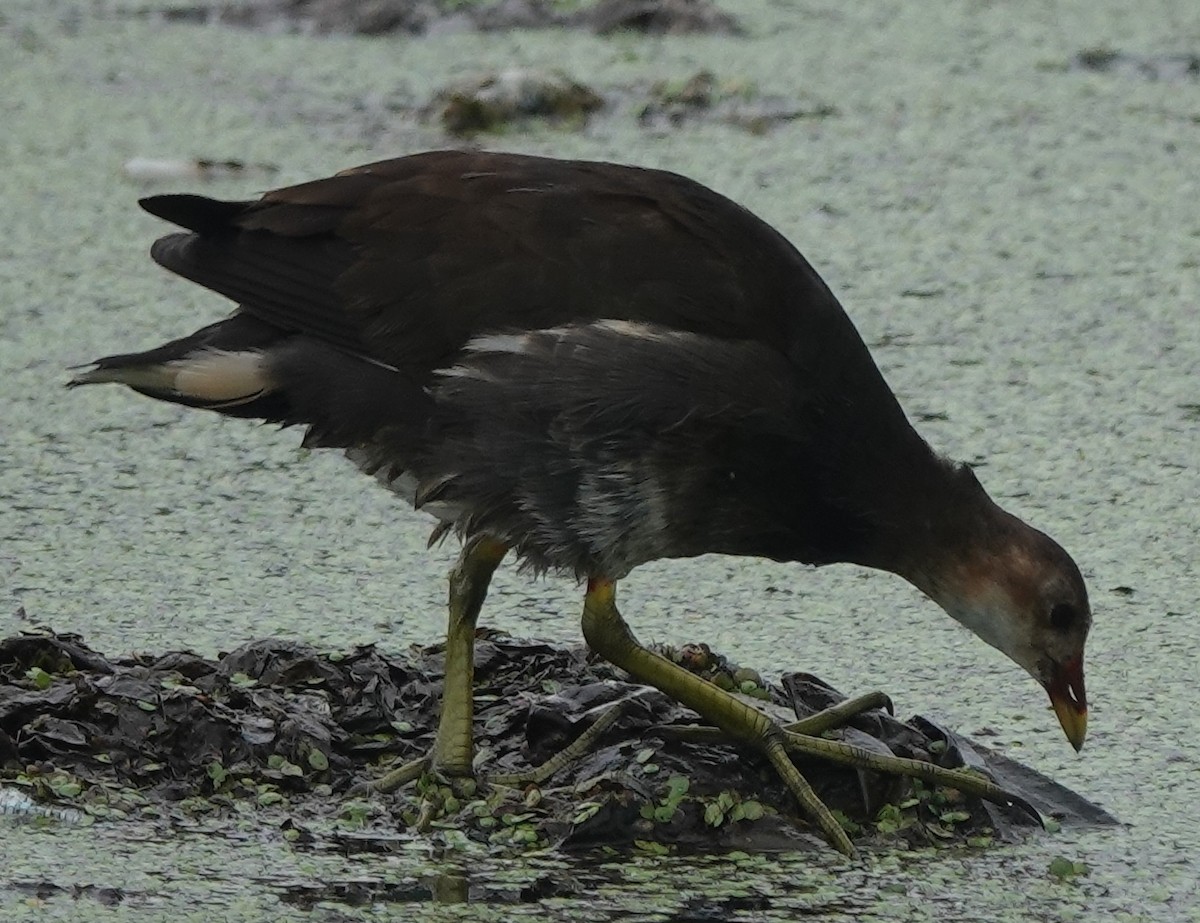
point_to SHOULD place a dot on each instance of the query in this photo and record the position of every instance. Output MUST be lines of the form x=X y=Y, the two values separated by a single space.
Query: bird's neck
x=934 y=521
x=959 y=548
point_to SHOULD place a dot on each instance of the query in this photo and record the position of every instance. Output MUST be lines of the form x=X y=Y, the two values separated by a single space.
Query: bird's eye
x=1062 y=616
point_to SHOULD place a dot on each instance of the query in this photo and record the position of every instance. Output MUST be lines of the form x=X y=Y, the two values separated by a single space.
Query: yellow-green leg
x=577 y=748
x=454 y=747
x=609 y=636
x=833 y=717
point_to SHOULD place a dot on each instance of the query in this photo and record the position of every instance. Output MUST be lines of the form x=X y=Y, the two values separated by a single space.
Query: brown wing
x=406 y=260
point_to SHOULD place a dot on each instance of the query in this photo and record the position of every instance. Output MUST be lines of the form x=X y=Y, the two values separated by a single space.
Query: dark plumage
x=597 y=366
x=686 y=356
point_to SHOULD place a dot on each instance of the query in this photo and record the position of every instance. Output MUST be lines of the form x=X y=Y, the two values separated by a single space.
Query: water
x=1019 y=238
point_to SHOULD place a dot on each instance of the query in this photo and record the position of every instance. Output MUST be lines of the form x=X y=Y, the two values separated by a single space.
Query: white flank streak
x=524 y=342
x=500 y=343
x=219 y=375
x=465 y=371
x=637 y=329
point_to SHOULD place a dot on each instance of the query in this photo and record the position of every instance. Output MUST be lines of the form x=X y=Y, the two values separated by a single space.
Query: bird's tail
x=245 y=367
x=222 y=367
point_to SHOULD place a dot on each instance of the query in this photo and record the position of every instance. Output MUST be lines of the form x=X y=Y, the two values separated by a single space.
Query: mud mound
x=278 y=726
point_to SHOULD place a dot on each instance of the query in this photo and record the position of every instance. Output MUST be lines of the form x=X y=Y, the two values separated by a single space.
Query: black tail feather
x=195 y=212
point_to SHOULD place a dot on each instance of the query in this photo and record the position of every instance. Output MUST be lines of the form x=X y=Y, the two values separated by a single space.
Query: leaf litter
x=280 y=728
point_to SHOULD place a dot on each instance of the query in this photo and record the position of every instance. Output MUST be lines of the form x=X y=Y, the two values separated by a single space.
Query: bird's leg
x=609 y=636
x=454 y=747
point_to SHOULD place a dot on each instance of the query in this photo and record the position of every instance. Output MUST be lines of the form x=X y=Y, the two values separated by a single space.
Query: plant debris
x=659 y=17
x=173 y=169
x=418 y=17
x=1155 y=67
x=515 y=96
x=702 y=97
x=277 y=727
x=1065 y=869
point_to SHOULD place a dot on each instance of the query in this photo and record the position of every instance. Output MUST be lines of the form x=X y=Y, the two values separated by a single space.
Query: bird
x=591 y=366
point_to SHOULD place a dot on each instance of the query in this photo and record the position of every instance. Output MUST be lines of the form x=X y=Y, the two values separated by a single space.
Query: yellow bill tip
x=1067 y=695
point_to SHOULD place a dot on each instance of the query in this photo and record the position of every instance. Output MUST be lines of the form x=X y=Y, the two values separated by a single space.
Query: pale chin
x=989 y=615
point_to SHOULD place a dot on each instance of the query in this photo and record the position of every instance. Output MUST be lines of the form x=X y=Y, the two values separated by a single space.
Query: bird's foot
x=577 y=748
x=395 y=779
x=838 y=715
x=793 y=744
x=608 y=635
x=437 y=786
x=439 y=791
x=802 y=738
x=812 y=725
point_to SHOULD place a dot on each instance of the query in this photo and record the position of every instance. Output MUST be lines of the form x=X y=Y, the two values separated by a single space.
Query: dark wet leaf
x=59 y=731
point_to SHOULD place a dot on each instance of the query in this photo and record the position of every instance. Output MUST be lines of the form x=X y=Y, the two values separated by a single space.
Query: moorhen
x=594 y=366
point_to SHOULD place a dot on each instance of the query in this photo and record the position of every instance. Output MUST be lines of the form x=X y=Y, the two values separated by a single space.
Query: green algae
x=1052 y=210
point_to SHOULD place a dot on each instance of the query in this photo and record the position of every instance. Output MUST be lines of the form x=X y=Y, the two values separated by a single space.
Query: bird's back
x=406 y=260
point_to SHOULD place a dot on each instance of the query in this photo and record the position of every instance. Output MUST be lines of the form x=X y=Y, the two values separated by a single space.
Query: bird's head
x=1022 y=593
